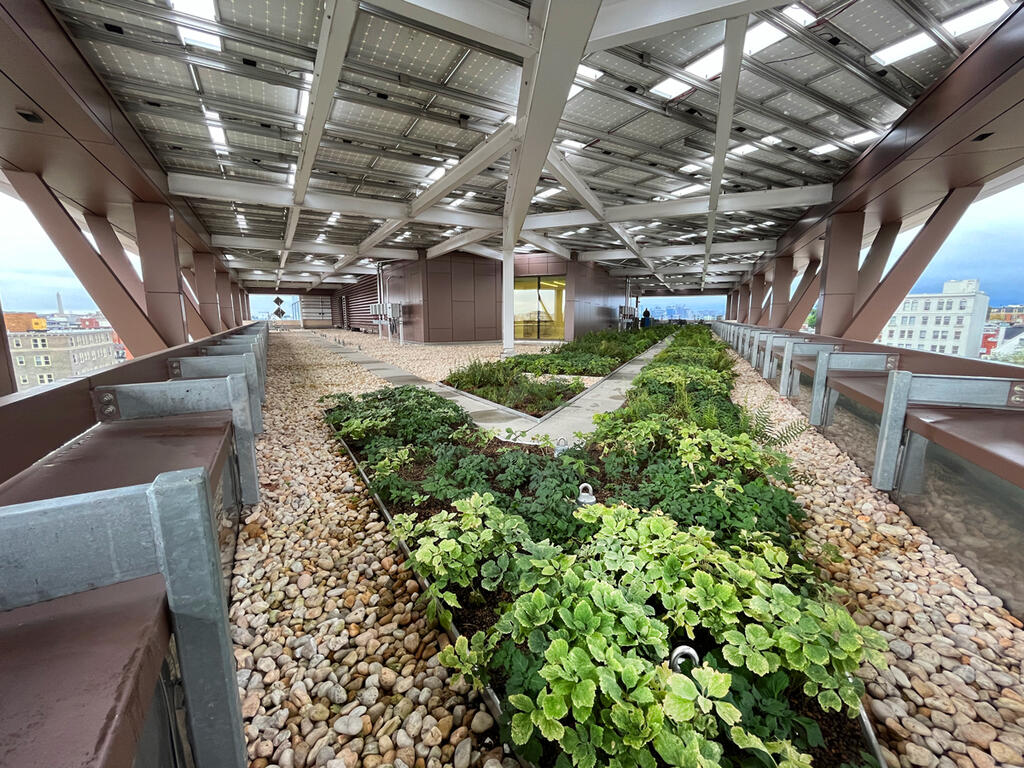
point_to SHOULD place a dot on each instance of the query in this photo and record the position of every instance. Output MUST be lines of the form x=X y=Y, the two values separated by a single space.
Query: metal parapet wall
x=139 y=518
x=948 y=447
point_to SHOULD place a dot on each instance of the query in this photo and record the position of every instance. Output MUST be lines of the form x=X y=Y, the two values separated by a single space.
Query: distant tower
x=60 y=304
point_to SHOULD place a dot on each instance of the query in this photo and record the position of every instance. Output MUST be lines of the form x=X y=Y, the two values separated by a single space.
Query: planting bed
x=571 y=611
x=539 y=383
x=337 y=667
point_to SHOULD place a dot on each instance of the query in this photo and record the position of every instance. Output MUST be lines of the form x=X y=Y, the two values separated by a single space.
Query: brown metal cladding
x=84 y=668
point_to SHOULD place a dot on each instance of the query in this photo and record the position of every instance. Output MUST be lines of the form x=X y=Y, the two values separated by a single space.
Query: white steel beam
x=459 y=241
x=382 y=232
x=696 y=249
x=544 y=243
x=547 y=76
x=624 y=22
x=324 y=249
x=569 y=179
x=693 y=269
x=582 y=192
x=735 y=32
x=759 y=200
x=627 y=239
x=340 y=264
x=476 y=160
x=231 y=190
x=299 y=266
x=336 y=26
x=483 y=250
x=493 y=23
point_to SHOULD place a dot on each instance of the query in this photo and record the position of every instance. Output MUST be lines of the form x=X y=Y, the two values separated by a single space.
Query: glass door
x=540 y=308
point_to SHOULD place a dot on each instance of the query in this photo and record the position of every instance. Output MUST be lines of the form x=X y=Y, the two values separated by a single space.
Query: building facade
x=43 y=358
x=951 y=322
x=15 y=322
x=1011 y=313
x=457 y=298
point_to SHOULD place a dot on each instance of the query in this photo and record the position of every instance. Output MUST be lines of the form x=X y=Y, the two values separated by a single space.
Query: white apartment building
x=950 y=322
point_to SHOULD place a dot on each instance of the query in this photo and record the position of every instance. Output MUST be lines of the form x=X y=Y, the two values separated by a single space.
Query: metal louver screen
x=358 y=298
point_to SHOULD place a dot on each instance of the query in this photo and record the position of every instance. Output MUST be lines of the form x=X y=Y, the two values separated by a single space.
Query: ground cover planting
x=570 y=612
x=504 y=382
x=514 y=381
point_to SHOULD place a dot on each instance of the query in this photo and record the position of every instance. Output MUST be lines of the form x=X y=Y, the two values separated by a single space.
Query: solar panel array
x=220 y=89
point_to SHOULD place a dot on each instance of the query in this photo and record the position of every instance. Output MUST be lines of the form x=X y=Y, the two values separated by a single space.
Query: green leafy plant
x=758 y=424
x=694 y=544
x=472 y=549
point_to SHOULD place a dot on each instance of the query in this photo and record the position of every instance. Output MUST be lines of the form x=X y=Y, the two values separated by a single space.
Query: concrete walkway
x=609 y=393
x=577 y=415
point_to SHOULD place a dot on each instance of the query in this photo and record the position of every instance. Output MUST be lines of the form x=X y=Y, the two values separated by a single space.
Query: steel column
x=508 y=276
x=158 y=250
x=227 y=308
x=187 y=551
x=756 y=298
x=879 y=306
x=125 y=315
x=890 y=429
x=112 y=252
x=236 y=302
x=206 y=290
x=870 y=273
x=744 y=303
x=838 y=283
x=804 y=297
x=782 y=282
x=193 y=320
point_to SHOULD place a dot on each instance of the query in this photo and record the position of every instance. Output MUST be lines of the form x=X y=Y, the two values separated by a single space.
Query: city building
x=1011 y=313
x=950 y=322
x=43 y=358
x=1002 y=342
x=23 y=321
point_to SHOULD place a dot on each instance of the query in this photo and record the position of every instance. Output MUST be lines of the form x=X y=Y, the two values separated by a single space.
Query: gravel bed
x=336 y=667
x=953 y=694
x=432 y=362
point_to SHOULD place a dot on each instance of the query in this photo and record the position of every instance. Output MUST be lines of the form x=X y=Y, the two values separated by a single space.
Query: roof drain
x=680 y=652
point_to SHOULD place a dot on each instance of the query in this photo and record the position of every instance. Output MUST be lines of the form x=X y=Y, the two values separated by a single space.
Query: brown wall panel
x=592 y=299
x=539 y=264
x=487 y=300
x=463 y=279
x=439 y=301
x=457 y=297
x=463 y=321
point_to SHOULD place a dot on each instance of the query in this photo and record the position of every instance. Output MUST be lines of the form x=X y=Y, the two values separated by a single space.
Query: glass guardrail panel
x=802 y=401
x=976 y=515
x=854 y=429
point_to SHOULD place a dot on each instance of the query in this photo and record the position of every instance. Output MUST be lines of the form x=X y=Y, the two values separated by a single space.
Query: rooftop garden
x=571 y=611
x=539 y=383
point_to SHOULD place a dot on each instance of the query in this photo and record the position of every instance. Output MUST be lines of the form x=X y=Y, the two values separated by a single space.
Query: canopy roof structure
x=674 y=143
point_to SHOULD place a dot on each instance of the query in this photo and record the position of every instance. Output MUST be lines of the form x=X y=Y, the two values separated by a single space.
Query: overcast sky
x=986 y=244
